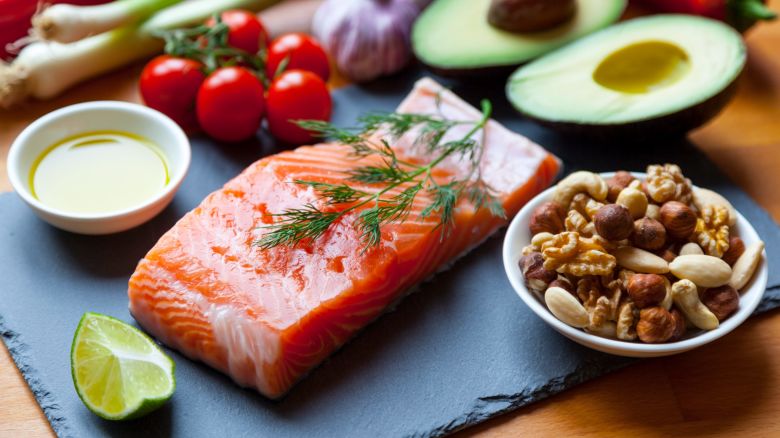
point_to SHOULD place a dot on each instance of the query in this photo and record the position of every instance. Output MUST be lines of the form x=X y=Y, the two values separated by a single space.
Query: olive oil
x=643 y=67
x=99 y=172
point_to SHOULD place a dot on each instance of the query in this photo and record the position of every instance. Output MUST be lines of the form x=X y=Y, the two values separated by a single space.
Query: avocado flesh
x=454 y=35
x=633 y=73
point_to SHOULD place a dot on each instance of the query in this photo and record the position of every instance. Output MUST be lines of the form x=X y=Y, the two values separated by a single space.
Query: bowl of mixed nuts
x=636 y=264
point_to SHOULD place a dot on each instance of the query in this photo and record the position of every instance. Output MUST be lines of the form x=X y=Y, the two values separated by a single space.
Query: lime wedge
x=118 y=371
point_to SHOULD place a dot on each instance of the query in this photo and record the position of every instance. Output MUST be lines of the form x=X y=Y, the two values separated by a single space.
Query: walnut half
x=569 y=253
x=712 y=230
x=667 y=183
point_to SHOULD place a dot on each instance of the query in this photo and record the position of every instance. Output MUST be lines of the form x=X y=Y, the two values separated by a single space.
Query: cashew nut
x=580 y=182
x=666 y=303
x=705 y=197
x=686 y=297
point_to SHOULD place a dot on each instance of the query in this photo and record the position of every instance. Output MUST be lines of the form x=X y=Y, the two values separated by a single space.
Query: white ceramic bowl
x=518 y=236
x=99 y=116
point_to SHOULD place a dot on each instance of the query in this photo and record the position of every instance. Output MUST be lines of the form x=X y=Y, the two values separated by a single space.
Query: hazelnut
x=655 y=325
x=722 y=301
x=649 y=234
x=680 y=326
x=547 y=217
x=536 y=276
x=678 y=219
x=563 y=283
x=613 y=222
x=667 y=254
x=736 y=248
x=617 y=183
x=646 y=289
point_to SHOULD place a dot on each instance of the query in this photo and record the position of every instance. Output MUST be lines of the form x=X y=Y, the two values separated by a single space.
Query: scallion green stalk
x=197 y=11
x=66 y=23
x=45 y=69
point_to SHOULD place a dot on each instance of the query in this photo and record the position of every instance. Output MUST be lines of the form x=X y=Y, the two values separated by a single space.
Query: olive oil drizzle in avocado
x=642 y=67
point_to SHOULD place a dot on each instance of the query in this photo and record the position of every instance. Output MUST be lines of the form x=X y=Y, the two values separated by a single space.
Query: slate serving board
x=461 y=350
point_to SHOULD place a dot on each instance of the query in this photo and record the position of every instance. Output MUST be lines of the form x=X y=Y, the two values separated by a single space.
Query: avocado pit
x=530 y=15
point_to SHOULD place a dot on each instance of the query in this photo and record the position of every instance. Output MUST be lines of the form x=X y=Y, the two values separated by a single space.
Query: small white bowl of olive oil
x=99 y=167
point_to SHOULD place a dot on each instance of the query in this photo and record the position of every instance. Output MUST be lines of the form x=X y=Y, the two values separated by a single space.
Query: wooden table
x=729 y=387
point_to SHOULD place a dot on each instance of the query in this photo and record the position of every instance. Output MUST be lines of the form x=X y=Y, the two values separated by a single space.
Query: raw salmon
x=267 y=317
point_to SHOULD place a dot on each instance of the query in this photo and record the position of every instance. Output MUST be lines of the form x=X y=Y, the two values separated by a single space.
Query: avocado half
x=647 y=77
x=454 y=36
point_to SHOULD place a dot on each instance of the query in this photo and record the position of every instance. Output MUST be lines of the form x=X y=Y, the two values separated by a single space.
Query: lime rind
x=135 y=375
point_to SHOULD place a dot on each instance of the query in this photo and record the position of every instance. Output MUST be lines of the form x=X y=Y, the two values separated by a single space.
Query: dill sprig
x=388 y=204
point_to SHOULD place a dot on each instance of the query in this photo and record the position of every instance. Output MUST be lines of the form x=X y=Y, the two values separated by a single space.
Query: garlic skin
x=367 y=38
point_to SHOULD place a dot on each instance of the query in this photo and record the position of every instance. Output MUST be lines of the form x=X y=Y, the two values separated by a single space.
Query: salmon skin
x=266 y=317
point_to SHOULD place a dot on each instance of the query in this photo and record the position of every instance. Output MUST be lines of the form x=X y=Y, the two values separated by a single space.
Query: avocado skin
x=669 y=125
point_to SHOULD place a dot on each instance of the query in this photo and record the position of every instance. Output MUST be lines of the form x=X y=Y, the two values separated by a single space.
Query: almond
x=639 y=260
x=691 y=248
x=565 y=307
x=746 y=265
x=703 y=270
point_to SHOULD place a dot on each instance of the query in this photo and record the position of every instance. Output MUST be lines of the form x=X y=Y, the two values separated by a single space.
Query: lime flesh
x=118 y=371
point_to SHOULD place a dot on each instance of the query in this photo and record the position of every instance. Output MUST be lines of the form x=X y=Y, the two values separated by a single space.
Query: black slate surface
x=461 y=350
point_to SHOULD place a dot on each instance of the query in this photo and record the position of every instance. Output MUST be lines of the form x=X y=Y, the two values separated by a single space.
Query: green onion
x=66 y=23
x=45 y=69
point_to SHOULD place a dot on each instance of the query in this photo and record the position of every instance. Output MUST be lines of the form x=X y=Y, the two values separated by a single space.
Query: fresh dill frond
x=378 y=208
x=398 y=124
x=390 y=172
x=369 y=224
x=334 y=193
x=318 y=128
x=395 y=209
x=444 y=199
x=463 y=147
x=482 y=197
x=298 y=224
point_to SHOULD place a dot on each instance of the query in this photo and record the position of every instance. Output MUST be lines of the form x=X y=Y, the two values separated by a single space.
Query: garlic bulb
x=367 y=38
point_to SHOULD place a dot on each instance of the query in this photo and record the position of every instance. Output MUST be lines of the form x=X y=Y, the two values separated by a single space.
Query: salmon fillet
x=266 y=317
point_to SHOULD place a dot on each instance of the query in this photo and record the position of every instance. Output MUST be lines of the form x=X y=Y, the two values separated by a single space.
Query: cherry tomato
x=302 y=51
x=246 y=31
x=230 y=104
x=296 y=95
x=170 y=84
